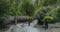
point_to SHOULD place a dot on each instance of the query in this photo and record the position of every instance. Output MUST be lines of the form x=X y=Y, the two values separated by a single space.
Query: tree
x=55 y=13
x=27 y=8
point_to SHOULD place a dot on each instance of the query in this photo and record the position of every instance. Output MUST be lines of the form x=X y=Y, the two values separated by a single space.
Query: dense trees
x=15 y=8
x=38 y=8
x=49 y=6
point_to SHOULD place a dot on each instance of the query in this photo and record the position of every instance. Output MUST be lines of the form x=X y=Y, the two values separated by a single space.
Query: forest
x=42 y=9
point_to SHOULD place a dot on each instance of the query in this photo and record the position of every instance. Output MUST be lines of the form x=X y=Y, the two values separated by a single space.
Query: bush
x=48 y=18
x=2 y=22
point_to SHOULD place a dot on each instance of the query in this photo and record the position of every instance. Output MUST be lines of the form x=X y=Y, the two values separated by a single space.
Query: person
x=46 y=23
x=40 y=22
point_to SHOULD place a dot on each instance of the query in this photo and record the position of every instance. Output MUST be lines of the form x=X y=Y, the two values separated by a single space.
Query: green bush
x=2 y=22
x=48 y=18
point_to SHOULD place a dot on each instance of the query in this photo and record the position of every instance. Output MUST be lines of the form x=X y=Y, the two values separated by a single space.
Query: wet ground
x=23 y=27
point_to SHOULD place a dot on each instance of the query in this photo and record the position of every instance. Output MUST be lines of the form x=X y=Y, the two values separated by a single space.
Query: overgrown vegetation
x=37 y=8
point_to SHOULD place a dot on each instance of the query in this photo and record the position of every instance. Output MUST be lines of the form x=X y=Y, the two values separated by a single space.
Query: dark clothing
x=40 y=22
x=46 y=24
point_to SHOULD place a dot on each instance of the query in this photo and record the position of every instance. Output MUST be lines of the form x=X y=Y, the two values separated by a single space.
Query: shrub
x=48 y=18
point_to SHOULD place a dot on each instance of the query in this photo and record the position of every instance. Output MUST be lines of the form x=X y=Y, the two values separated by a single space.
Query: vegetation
x=37 y=8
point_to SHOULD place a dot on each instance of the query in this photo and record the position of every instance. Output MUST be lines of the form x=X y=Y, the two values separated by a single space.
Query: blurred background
x=36 y=12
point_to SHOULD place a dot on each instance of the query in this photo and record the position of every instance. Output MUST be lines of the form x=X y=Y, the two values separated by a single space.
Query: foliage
x=55 y=13
x=15 y=8
x=48 y=18
x=26 y=8
x=42 y=12
x=52 y=9
x=49 y=2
